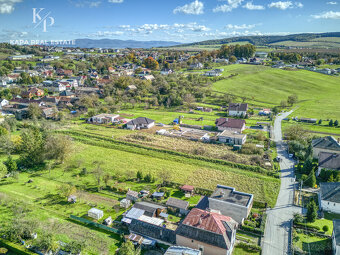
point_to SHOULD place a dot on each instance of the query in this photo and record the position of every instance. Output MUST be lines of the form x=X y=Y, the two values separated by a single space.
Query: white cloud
x=95 y=4
x=327 y=15
x=7 y=6
x=232 y=4
x=332 y=3
x=285 y=5
x=240 y=27
x=194 y=8
x=251 y=6
x=116 y=1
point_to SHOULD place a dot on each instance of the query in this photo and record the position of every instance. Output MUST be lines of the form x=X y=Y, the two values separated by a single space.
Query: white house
x=236 y=109
x=3 y=102
x=95 y=213
x=232 y=137
x=336 y=237
x=329 y=197
x=125 y=203
x=104 y=118
x=140 y=123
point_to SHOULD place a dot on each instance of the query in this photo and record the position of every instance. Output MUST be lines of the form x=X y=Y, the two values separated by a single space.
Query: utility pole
x=300 y=191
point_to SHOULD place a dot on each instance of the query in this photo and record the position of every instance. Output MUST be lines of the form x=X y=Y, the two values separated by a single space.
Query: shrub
x=325 y=228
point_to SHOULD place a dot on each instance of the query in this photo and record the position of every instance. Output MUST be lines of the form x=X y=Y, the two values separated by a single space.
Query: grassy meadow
x=318 y=93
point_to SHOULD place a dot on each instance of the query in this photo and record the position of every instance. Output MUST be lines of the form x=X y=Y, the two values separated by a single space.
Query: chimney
x=200 y=221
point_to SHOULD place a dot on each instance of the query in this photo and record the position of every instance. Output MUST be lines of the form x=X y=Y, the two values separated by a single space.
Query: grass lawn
x=324 y=128
x=181 y=170
x=52 y=212
x=266 y=85
x=241 y=251
x=313 y=244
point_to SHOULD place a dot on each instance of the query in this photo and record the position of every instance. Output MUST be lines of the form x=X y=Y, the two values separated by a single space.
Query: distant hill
x=316 y=40
x=120 y=44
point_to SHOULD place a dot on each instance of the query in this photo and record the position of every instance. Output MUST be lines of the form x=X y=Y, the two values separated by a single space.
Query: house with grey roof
x=150 y=209
x=140 y=123
x=177 y=205
x=152 y=231
x=325 y=144
x=329 y=197
x=237 y=109
x=132 y=195
x=229 y=202
x=336 y=237
x=328 y=161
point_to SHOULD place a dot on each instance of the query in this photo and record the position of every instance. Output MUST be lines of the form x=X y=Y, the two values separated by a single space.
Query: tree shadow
x=323 y=247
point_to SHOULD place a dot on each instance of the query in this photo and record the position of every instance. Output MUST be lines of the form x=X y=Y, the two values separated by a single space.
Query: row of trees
x=238 y=51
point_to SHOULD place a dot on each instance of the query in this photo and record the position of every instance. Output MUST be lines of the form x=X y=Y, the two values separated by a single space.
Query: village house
x=232 y=138
x=209 y=232
x=229 y=202
x=3 y=102
x=196 y=66
x=336 y=237
x=140 y=123
x=325 y=144
x=234 y=125
x=177 y=205
x=36 y=92
x=213 y=73
x=150 y=209
x=328 y=161
x=103 y=118
x=132 y=195
x=187 y=189
x=237 y=109
x=329 y=197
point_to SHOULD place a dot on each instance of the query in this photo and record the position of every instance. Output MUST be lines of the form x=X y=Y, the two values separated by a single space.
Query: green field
x=315 y=43
x=318 y=94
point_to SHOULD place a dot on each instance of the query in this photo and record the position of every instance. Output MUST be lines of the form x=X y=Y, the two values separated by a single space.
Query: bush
x=325 y=228
x=298 y=218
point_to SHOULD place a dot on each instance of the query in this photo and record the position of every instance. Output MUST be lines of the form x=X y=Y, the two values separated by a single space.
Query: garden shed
x=125 y=203
x=95 y=213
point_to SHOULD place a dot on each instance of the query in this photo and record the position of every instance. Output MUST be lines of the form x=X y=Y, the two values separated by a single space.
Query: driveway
x=277 y=232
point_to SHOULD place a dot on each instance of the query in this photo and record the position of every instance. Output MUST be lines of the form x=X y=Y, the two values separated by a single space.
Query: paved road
x=276 y=235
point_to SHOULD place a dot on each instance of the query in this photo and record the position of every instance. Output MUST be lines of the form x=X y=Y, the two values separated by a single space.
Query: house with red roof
x=210 y=232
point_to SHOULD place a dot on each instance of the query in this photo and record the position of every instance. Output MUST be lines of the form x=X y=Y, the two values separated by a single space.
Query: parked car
x=291 y=155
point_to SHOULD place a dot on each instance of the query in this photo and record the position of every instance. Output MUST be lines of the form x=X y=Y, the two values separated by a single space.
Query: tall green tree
x=32 y=146
x=128 y=248
x=311 y=181
x=312 y=211
x=10 y=164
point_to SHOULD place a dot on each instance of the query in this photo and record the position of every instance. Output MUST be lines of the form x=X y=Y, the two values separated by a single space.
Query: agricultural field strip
x=174 y=156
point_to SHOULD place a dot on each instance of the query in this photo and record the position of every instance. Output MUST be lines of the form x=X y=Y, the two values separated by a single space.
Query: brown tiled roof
x=230 y=123
x=187 y=188
x=208 y=227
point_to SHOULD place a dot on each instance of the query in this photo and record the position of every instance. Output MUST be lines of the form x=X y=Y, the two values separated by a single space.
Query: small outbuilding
x=95 y=213
x=125 y=203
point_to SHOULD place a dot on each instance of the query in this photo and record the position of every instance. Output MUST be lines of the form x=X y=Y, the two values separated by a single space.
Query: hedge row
x=252 y=229
x=15 y=248
x=255 y=169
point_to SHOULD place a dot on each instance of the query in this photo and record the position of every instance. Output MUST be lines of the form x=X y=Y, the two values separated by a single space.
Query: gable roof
x=330 y=191
x=132 y=193
x=177 y=203
x=187 y=188
x=149 y=208
x=329 y=160
x=327 y=142
x=238 y=107
x=208 y=227
x=140 y=121
x=230 y=123
x=336 y=231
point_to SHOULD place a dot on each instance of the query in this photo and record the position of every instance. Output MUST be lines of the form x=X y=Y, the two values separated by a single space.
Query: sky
x=163 y=20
